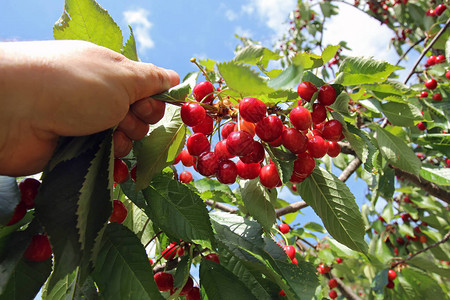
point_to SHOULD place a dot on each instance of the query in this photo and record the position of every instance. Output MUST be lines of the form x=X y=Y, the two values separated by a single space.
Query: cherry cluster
x=332 y=282
x=437 y=11
x=308 y=135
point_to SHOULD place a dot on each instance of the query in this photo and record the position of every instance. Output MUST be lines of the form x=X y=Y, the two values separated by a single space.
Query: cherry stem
x=193 y=60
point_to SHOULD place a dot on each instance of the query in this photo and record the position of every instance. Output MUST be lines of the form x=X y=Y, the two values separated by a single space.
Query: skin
x=51 y=89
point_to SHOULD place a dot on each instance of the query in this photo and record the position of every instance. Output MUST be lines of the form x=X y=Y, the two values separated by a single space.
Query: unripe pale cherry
x=327 y=95
x=197 y=143
x=269 y=128
x=248 y=171
x=226 y=172
x=192 y=113
x=300 y=117
x=252 y=109
x=294 y=140
x=203 y=89
x=186 y=177
x=240 y=143
x=268 y=176
x=306 y=90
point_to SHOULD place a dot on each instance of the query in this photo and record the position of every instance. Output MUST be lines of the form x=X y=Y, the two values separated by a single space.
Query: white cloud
x=243 y=32
x=273 y=12
x=138 y=19
x=230 y=15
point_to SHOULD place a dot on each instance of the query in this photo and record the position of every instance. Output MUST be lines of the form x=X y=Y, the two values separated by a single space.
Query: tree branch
x=221 y=206
x=409 y=49
x=293 y=207
x=350 y=169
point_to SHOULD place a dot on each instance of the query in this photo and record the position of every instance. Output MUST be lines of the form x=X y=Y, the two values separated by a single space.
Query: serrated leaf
x=257 y=201
x=9 y=198
x=438 y=176
x=159 y=149
x=178 y=211
x=288 y=79
x=423 y=285
x=129 y=49
x=329 y=52
x=427 y=262
x=439 y=112
x=243 y=80
x=313 y=226
x=309 y=76
x=301 y=278
x=284 y=160
x=360 y=70
x=86 y=20
x=397 y=152
x=389 y=88
x=333 y=202
x=401 y=114
x=122 y=270
x=182 y=272
x=255 y=54
x=307 y=60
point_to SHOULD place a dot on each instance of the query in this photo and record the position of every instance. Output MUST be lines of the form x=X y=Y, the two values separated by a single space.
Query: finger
x=122 y=144
x=149 y=110
x=134 y=128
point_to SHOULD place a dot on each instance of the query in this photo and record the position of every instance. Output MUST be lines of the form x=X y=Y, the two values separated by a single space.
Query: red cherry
x=170 y=252
x=186 y=177
x=422 y=126
x=423 y=239
x=248 y=171
x=333 y=149
x=221 y=150
x=121 y=172
x=306 y=90
x=227 y=172
x=194 y=294
x=268 y=176
x=327 y=95
x=332 y=294
x=206 y=126
x=423 y=94
x=440 y=9
x=431 y=84
x=447 y=74
x=392 y=275
x=282 y=293
x=417 y=229
x=252 y=109
x=192 y=113
x=332 y=130
x=294 y=261
x=284 y=228
x=213 y=257
x=431 y=60
x=290 y=251
x=319 y=113
x=133 y=171
x=304 y=164
x=19 y=213
x=390 y=284
x=187 y=287
x=317 y=146
x=332 y=283
x=440 y=59
x=323 y=269
x=269 y=128
x=400 y=240
x=197 y=144
x=186 y=159
x=28 y=191
x=227 y=129
x=294 y=140
x=339 y=260
x=437 y=97
x=405 y=217
x=164 y=281
x=294 y=187
x=257 y=154
x=430 y=13
x=207 y=164
x=240 y=143
x=203 y=92
x=119 y=212
x=39 y=248
x=300 y=117
x=180 y=251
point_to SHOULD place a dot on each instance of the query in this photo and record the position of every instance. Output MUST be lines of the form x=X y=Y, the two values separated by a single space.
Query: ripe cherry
x=248 y=171
x=203 y=92
x=268 y=176
x=197 y=143
x=431 y=60
x=282 y=293
x=206 y=126
x=284 y=228
x=186 y=159
x=133 y=171
x=400 y=240
x=339 y=260
x=194 y=294
x=333 y=149
x=290 y=251
x=304 y=164
x=430 y=13
x=423 y=239
x=227 y=129
x=440 y=9
x=257 y=154
x=39 y=248
x=422 y=126
x=28 y=191
x=213 y=257
x=220 y=149
x=323 y=269
x=447 y=74
x=319 y=113
x=332 y=130
x=332 y=283
x=317 y=146
x=19 y=213
x=392 y=275
x=294 y=140
x=269 y=128
x=186 y=177
x=121 y=172
x=332 y=294
x=390 y=284
x=300 y=117
x=119 y=212
x=431 y=84
x=192 y=113
x=437 y=97
x=440 y=59
x=294 y=187
x=423 y=94
x=164 y=281
x=170 y=252
x=327 y=95
x=240 y=143
x=306 y=90
x=252 y=109
x=207 y=163
x=226 y=172
x=187 y=287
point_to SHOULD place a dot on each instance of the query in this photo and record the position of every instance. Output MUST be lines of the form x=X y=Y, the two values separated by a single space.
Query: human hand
x=72 y=88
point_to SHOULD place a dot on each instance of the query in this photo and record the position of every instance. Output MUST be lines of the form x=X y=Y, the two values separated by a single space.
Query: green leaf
x=86 y=20
x=243 y=80
x=129 y=50
x=397 y=152
x=220 y=283
x=423 y=285
x=360 y=70
x=332 y=200
x=182 y=272
x=401 y=114
x=313 y=226
x=389 y=88
x=178 y=211
x=427 y=262
x=176 y=94
x=307 y=60
x=255 y=54
x=284 y=160
x=9 y=198
x=439 y=176
x=122 y=270
x=309 y=76
x=257 y=201
x=160 y=148
x=288 y=79
x=380 y=281
x=329 y=52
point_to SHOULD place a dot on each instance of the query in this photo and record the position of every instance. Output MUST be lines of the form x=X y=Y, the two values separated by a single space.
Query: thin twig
x=409 y=49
